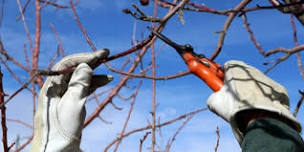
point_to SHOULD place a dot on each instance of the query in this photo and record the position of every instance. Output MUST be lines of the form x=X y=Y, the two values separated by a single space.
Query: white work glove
x=61 y=111
x=246 y=88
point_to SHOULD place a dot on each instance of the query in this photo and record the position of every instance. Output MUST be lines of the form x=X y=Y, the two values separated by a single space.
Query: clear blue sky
x=109 y=28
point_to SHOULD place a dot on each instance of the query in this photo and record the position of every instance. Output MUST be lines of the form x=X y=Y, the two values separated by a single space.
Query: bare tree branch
x=3 y=115
x=128 y=115
x=218 y=139
x=229 y=20
x=157 y=126
x=2 y=11
x=76 y=17
x=295 y=113
x=170 y=142
x=141 y=141
x=25 y=144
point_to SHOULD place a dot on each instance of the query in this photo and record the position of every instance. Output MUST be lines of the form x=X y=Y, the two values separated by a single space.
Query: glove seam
x=63 y=133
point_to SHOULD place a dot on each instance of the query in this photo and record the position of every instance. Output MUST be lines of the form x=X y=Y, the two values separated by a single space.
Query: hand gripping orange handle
x=212 y=74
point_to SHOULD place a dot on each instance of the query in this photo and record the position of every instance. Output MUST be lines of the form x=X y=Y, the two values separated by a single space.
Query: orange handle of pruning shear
x=212 y=74
x=208 y=71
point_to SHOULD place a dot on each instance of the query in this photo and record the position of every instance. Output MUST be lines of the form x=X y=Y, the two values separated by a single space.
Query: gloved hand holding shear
x=256 y=107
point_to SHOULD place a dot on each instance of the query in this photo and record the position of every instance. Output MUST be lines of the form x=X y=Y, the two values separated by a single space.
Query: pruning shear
x=208 y=71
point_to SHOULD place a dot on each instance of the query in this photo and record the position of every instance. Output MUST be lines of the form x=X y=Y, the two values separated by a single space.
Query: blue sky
x=109 y=28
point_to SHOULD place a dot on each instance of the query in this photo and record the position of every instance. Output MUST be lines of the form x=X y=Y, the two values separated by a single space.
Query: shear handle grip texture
x=212 y=74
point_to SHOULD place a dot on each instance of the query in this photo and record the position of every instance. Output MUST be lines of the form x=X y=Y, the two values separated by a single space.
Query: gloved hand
x=246 y=90
x=61 y=111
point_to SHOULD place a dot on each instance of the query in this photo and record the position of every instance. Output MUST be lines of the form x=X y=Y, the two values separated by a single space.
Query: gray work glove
x=61 y=111
x=246 y=88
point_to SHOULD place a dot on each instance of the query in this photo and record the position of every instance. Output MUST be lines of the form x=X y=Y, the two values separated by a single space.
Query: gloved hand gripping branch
x=61 y=112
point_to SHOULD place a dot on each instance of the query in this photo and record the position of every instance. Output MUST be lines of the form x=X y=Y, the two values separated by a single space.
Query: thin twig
x=229 y=20
x=15 y=76
x=3 y=115
x=170 y=142
x=218 y=139
x=255 y=42
x=2 y=11
x=23 y=9
x=60 y=48
x=195 y=7
x=142 y=16
x=115 y=106
x=103 y=120
x=47 y=2
x=288 y=53
x=284 y=50
x=141 y=141
x=20 y=122
x=76 y=17
x=27 y=31
x=295 y=39
x=128 y=115
x=295 y=113
x=26 y=58
x=25 y=144
x=8 y=57
x=20 y=89
x=158 y=125
x=99 y=94
x=153 y=113
x=11 y=146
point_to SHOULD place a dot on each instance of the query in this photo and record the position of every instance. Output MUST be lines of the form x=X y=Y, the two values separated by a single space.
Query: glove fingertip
x=99 y=81
x=102 y=53
x=82 y=75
